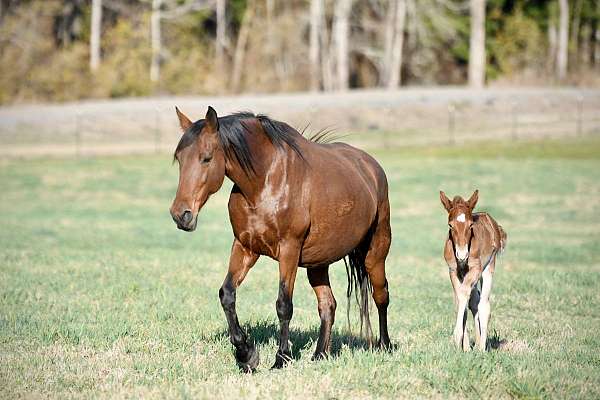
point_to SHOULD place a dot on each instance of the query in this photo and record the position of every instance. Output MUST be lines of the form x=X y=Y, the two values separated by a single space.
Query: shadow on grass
x=261 y=332
x=495 y=343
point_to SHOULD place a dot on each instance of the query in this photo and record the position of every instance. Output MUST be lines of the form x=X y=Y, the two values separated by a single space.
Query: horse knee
x=227 y=297
x=381 y=295
x=327 y=308
x=284 y=305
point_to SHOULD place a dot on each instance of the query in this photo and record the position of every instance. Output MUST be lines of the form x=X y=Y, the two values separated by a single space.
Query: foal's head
x=460 y=221
x=201 y=167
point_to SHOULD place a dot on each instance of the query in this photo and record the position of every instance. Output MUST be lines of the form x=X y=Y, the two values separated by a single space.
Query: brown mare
x=474 y=240
x=302 y=203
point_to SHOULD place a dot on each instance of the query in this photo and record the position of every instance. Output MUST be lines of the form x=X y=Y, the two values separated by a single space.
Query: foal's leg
x=463 y=293
x=375 y=265
x=240 y=262
x=484 y=303
x=289 y=255
x=319 y=280
x=474 y=306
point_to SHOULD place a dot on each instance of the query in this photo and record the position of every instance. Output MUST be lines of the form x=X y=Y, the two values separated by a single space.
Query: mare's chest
x=260 y=225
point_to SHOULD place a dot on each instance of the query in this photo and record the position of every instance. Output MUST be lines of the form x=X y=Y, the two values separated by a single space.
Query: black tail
x=359 y=282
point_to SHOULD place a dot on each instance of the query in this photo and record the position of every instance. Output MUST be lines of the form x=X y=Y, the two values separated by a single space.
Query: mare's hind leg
x=319 y=280
x=240 y=262
x=377 y=252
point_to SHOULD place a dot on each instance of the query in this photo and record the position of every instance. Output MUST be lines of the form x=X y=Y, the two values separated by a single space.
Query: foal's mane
x=232 y=136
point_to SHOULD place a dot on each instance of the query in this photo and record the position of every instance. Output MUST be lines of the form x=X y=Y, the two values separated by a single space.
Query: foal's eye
x=206 y=159
x=450 y=226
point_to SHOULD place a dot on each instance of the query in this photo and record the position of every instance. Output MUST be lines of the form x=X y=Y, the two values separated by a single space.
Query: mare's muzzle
x=185 y=221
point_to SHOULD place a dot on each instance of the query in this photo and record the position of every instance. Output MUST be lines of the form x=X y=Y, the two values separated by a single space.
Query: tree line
x=70 y=49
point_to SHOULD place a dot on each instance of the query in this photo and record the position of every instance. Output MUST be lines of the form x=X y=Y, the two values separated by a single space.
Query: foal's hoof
x=281 y=360
x=248 y=362
x=320 y=356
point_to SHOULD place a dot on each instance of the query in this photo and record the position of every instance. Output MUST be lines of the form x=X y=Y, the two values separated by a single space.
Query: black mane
x=232 y=136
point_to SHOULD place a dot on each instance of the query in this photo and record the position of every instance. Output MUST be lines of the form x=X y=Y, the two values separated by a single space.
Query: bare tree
x=156 y=39
x=168 y=9
x=394 y=42
x=95 y=34
x=341 y=31
x=221 y=32
x=316 y=17
x=240 y=47
x=563 y=39
x=477 y=44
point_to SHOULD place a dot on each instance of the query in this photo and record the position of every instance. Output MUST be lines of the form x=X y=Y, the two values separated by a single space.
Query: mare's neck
x=263 y=156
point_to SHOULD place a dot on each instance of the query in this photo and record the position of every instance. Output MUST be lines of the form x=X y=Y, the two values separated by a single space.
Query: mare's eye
x=450 y=226
x=206 y=159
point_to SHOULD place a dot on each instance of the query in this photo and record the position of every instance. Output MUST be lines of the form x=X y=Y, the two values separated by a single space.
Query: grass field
x=101 y=296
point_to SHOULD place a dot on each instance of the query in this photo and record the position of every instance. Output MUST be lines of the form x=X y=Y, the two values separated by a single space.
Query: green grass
x=101 y=296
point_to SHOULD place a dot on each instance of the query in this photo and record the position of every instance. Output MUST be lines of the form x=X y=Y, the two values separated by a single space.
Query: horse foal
x=474 y=240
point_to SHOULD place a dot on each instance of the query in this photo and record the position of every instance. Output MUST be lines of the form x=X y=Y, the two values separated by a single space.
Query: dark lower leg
x=319 y=280
x=285 y=310
x=246 y=354
x=382 y=306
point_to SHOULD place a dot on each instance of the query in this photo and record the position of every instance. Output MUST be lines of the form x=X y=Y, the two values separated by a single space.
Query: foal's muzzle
x=185 y=221
x=462 y=253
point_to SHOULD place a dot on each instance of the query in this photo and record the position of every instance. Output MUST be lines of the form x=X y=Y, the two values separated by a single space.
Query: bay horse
x=300 y=202
x=474 y=240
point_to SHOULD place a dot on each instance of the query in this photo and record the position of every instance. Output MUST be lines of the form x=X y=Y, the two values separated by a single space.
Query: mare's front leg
x=240 y=262
x=289 y=255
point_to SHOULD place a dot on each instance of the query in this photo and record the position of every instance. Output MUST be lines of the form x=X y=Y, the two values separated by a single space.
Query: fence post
x=451 y=123
x=77 y=134
x=579 y=115
x=515 y=122
x=157 y=131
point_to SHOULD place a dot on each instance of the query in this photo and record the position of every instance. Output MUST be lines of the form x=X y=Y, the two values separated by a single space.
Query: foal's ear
x=445 y=201
x=211 y=119
x=473 y=200
x=184 y=121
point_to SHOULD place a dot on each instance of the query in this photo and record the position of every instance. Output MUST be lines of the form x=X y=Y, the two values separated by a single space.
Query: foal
x=470 y=251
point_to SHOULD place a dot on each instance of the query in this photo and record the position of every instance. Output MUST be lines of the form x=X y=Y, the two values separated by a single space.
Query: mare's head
x=201 y=167
x=460 y=221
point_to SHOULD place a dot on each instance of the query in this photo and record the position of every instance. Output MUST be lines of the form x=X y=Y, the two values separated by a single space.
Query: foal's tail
x=503 y=239
x=359 y=282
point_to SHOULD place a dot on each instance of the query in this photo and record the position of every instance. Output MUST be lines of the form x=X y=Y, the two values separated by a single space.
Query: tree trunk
x=394 y=42
x=341 y=33
x=316 y=16
x=477 y=45
x=221 y=32
x=563 y=40
x=553 y=45
x=156 y=40
x=95 y=34
x=326 y=50
x=576 y=31
x=240 y=47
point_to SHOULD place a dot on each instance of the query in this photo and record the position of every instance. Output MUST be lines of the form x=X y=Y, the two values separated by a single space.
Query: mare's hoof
x=384 y=345
x=249 y=362
x=281 y=360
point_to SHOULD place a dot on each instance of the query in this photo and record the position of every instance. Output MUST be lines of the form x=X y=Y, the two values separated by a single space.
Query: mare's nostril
x=186 y=217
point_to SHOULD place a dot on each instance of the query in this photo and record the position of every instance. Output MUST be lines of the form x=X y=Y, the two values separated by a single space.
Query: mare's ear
x=212 y=121
x=445 y=201
x=473 y=199
x=184 y=121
